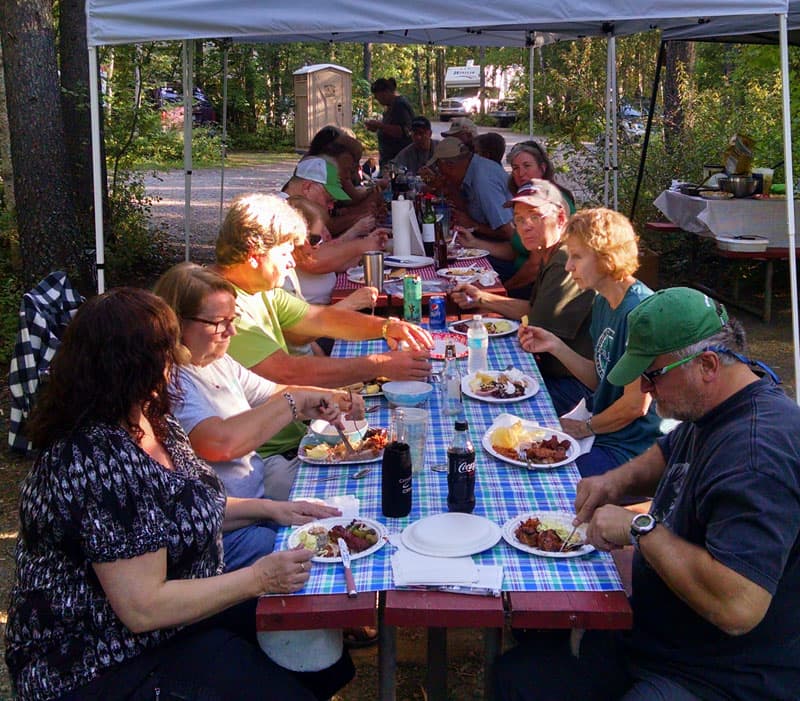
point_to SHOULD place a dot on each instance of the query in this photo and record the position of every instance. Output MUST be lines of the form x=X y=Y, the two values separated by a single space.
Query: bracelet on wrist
x=385 y=327
x=589 y=426
x=292 y=405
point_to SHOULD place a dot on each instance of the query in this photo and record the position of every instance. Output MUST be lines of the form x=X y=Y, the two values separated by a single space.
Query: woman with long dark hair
x=118 y=591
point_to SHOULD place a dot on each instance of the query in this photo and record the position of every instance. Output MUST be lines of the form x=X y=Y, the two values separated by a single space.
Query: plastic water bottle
x=451 y=383
x=477 y=345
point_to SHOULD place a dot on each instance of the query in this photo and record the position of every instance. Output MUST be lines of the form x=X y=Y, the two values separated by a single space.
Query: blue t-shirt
x=609 y=331
x=732 y=486
x=485 y=190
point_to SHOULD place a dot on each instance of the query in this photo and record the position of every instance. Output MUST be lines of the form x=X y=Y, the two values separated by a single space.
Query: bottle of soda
x=396 y=480
x=439 y=245
x=477 y=345
x=451 y=382
x=428 y=226
x=461 y=471
x=412 y=298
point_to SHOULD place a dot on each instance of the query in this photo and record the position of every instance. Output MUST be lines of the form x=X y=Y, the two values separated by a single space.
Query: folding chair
x=44 y=313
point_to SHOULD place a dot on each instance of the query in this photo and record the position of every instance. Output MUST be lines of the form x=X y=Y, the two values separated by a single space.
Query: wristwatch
x=641 y=525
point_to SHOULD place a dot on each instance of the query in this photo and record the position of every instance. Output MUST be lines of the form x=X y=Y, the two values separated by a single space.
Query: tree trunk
x=418 y=79
x=368 y=62
x=48 y=230
x=76 y=107
x=6 y=171
x=678 y=62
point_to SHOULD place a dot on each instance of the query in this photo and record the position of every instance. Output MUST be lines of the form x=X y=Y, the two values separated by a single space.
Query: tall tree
x=6 y=171
x=74 y=63
x=678 y=62
x=48 y=230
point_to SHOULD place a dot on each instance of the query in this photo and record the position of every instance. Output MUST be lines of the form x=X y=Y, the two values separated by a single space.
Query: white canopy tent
x=494 y=22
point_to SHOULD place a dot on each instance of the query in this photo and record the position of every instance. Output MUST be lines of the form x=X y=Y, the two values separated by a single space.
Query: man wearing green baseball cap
x=716 y=567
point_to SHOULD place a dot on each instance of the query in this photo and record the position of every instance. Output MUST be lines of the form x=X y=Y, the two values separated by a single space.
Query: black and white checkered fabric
x=44 y=313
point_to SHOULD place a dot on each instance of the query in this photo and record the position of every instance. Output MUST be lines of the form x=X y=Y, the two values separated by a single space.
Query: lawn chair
x=44 y=313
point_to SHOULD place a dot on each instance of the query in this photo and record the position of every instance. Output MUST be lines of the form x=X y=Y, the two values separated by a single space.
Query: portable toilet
x=323 y=95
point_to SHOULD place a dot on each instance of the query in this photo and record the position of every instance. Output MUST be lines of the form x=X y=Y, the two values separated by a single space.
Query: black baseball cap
x=420 y=123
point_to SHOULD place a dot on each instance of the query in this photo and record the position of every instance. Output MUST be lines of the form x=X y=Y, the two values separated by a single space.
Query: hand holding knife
x=344 y=551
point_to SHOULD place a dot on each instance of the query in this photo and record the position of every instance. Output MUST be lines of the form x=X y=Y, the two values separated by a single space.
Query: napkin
x=580 y=413
x=348 y=504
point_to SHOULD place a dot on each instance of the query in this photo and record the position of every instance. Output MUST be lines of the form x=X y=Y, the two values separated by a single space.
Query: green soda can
x=412 y=298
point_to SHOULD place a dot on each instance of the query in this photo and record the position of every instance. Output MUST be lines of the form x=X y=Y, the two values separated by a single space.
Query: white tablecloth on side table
x=735 y=217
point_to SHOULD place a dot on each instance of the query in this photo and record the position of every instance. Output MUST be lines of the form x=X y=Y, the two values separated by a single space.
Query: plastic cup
x=766 y=178
x=410 y=425
x=373 y=269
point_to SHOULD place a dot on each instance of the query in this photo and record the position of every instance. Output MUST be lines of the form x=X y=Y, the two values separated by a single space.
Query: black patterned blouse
x=98 y=497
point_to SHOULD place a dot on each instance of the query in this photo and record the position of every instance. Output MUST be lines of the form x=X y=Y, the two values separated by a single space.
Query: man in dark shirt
x=394 y=130
x=716 y=570
x=420 y=151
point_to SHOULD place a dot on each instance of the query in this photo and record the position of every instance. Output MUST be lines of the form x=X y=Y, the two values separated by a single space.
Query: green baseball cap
x=322 y=171
x=667 y=321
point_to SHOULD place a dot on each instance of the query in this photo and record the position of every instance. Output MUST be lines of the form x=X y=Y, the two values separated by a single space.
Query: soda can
x=412 y=298
x=438 y=313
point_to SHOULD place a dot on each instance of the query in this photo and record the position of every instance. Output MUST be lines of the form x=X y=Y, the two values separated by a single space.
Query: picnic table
x=581 y=592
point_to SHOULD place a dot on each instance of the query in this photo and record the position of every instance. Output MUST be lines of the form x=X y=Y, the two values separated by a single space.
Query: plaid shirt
x=44 y=313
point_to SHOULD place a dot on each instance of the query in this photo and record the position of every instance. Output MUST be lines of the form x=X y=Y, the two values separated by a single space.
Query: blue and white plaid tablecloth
x=502 y=491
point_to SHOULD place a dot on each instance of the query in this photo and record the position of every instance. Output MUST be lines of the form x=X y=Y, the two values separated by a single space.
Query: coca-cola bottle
x=461 y=471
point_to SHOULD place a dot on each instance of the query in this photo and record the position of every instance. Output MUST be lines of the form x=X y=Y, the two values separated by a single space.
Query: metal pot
x=738 y=185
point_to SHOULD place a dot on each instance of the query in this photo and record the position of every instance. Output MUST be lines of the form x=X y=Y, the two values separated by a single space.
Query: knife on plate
x=344 y=551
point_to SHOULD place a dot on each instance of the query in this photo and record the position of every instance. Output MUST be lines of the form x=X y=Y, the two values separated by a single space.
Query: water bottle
x=451 y=383
x=477 y=345
x=461 y=471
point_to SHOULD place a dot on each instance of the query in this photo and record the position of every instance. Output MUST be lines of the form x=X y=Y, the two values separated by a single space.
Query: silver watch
x=641 y=525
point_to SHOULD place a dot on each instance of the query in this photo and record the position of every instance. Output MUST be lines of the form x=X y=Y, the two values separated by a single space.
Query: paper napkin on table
x=348 y=504
x=580 y=413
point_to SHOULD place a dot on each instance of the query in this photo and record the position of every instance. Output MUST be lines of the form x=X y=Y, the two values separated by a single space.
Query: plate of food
x=460 y=275
x=499 y=386
x=356 y=274
x=316 y=451
x=494 y=327
x=407 y=261
x=364 y=536
x=440 y=341
x=466 y=253
x=372 y=388
x=716 y=195
x=526 y=443
x=543 y=533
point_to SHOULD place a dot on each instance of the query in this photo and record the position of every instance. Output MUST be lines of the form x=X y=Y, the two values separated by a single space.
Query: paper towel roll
x=401 y=227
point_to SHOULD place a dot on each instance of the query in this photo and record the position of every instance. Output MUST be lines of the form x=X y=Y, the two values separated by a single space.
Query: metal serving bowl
x=738 y=185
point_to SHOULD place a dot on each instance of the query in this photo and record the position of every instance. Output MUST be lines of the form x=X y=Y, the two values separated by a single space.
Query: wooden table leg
x=436 y=682
x=387 y=655
x=492 y=647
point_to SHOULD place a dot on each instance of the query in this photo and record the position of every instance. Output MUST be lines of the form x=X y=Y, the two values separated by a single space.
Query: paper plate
x=531 y=388
x=395 y=287
x=460 y=275
x=495 y=327
x=310 y=439
x=468 y=254
x=451 y=535
x=328 y=523
x=507 y=420
x=440 y=341
x=561 y=518
x=407 y=261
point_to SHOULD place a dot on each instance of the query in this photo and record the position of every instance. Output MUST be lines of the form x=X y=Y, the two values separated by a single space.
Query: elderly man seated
x=254 y=253
x=716 y=567
x=482 y=186
x=414 y=156
x=463 y=129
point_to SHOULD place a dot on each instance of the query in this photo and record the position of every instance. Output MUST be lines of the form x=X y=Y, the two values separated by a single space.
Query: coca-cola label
x=463 y=466
x=405 y=484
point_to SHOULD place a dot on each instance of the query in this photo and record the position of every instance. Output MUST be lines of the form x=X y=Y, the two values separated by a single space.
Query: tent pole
x=97 y=171
x=788 y=167
x=224 y=145
x=188 y=101
x=530 y=86
x=612 y=67
x=607 y=141
x=646 y=141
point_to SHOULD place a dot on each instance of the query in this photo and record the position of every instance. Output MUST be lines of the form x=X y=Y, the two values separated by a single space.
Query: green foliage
x=136 y=252
x=266 y=138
